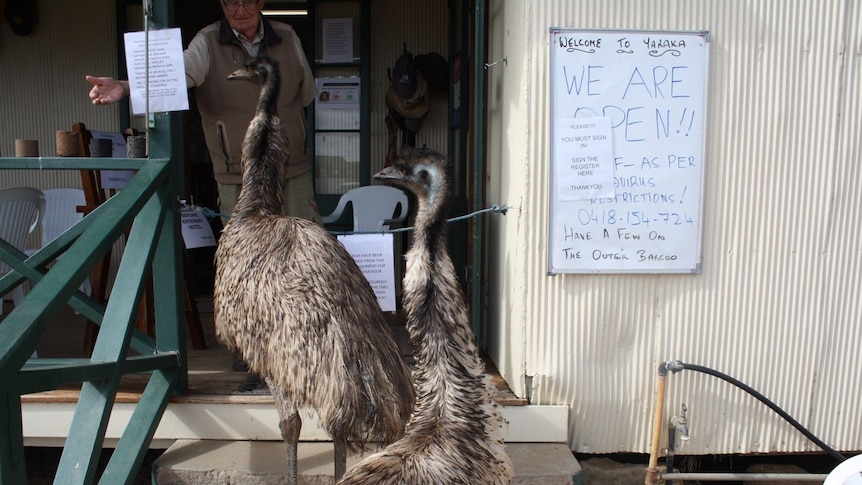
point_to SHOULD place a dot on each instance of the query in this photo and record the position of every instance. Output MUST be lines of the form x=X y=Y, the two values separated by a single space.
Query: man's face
x=243 y=15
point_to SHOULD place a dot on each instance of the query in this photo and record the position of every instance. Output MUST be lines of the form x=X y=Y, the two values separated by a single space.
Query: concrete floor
x=262 y=463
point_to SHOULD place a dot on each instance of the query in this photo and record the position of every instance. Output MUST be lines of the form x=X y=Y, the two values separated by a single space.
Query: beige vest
x=227 y=107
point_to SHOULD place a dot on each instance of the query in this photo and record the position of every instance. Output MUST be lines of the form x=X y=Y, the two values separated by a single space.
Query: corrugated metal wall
x=42 y=86
x=776 y=304
x=422 y=27
x=419 y=27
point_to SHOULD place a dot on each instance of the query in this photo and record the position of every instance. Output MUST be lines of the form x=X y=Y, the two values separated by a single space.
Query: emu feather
x=454 y=434
x=292 y=301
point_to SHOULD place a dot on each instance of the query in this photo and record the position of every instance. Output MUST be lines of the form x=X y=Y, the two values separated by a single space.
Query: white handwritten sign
x=167 y=72
x=374 y=254
x=651 y=86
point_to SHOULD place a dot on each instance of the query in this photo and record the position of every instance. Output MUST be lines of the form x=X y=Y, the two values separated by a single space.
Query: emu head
x=422 y=171
x=259 y=70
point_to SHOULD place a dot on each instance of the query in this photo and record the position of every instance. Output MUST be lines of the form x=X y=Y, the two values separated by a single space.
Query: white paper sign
x=197 y=232
x=337 y=40
x=373 y=254
x=652 y=85
x=114 y=179
x=167 y=72
x=585 y=158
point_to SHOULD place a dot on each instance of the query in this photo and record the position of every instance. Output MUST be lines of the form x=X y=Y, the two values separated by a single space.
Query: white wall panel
x=775 y=305
x=42 y=86
x=420 y=26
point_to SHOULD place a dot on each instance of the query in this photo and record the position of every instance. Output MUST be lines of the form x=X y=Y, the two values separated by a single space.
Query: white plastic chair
x=849 y=472
x=21 y=211
x=374 y=207
x=374 y=210
x=61 y=213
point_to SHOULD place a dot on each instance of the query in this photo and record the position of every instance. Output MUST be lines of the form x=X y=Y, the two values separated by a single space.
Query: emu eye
x=423 y=175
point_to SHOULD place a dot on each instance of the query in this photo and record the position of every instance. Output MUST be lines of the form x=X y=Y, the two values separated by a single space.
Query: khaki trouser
x=298 y=198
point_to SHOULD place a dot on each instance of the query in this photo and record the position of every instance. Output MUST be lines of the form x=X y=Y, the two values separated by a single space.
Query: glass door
x=340 y=117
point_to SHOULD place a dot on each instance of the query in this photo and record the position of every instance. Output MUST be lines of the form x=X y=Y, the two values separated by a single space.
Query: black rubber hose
x=760 y=397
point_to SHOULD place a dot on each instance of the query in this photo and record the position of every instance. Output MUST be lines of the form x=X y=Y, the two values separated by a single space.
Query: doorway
x=381 y=31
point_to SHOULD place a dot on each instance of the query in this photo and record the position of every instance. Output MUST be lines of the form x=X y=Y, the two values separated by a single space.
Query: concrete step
x=211 y=462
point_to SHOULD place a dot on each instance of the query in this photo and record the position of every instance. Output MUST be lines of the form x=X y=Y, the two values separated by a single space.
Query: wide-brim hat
x=435 y=68
x=410 y=107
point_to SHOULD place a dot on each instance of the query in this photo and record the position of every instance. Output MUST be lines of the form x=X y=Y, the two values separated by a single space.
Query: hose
x=760 y=397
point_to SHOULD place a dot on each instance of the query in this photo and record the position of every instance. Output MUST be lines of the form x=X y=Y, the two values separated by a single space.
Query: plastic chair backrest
x=849 y=472
x=21 y=210
x=374 y=207
x=61 y=212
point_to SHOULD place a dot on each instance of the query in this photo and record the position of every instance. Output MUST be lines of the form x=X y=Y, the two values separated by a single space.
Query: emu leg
x=340 y=458
x=290 y=424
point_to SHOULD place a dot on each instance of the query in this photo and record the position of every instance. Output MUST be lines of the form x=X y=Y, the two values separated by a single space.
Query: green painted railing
x=148 y=204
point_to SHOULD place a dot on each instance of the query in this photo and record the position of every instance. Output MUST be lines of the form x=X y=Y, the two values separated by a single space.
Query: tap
x=680 y=423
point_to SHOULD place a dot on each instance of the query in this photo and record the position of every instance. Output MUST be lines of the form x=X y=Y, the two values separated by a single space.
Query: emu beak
x=241 y=73
x=389 y=173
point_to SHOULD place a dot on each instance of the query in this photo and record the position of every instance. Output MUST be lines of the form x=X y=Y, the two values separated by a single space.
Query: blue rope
x=208 y=213
x=211 y=214
x=494 y=208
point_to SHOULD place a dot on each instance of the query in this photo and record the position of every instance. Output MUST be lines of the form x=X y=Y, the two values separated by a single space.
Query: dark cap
x=404 y=76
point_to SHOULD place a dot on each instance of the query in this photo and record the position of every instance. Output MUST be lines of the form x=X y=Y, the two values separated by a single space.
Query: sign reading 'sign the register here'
x=626 y=150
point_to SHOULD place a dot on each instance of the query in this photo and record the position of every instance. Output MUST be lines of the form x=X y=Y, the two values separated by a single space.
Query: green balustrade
x=148 y=205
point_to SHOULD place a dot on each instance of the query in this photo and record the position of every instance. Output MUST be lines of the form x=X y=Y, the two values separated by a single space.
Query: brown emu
x=454 y=435
x=292 y=301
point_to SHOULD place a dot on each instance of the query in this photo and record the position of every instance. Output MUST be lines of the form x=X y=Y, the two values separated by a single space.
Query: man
x=226 y=107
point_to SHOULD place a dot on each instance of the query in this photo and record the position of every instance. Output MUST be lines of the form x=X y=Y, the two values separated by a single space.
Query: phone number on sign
x=588 y=217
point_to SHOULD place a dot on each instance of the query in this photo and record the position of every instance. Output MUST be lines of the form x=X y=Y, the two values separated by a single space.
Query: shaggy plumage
x=454 y=434
x=293 y=302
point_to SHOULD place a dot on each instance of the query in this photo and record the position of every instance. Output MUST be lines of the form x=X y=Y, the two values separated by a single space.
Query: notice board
x=628 y=112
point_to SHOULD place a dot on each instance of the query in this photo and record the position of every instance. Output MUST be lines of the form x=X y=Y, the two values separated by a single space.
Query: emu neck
x=267 y=102
x=264 y=155
x=448 y=372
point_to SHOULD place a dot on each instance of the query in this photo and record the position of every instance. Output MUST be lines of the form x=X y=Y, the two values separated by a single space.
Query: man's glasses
x=246 y=4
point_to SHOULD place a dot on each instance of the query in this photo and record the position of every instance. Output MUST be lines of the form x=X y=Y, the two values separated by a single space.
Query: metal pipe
x=671 y=451
x=652 y=475
x=743 y=477
x=677 y=423
x=657 y=425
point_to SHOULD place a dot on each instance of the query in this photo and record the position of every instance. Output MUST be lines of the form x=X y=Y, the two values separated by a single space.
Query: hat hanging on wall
x=435 y=69
x=20 y=15
x=406 y=92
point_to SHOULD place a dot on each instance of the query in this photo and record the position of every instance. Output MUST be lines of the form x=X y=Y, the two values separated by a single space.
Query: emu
x=454 y=433
x=292 y=301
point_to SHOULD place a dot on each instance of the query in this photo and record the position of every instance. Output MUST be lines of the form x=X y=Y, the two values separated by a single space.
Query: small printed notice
x=114 y=179
x=337 y=40
x=338 y=93
x=373 y=254
x=197 y=232
x=585 y=158
x=167 y=72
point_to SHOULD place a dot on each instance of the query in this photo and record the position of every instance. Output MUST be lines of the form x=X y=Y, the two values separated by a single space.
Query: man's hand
x=106 y=90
